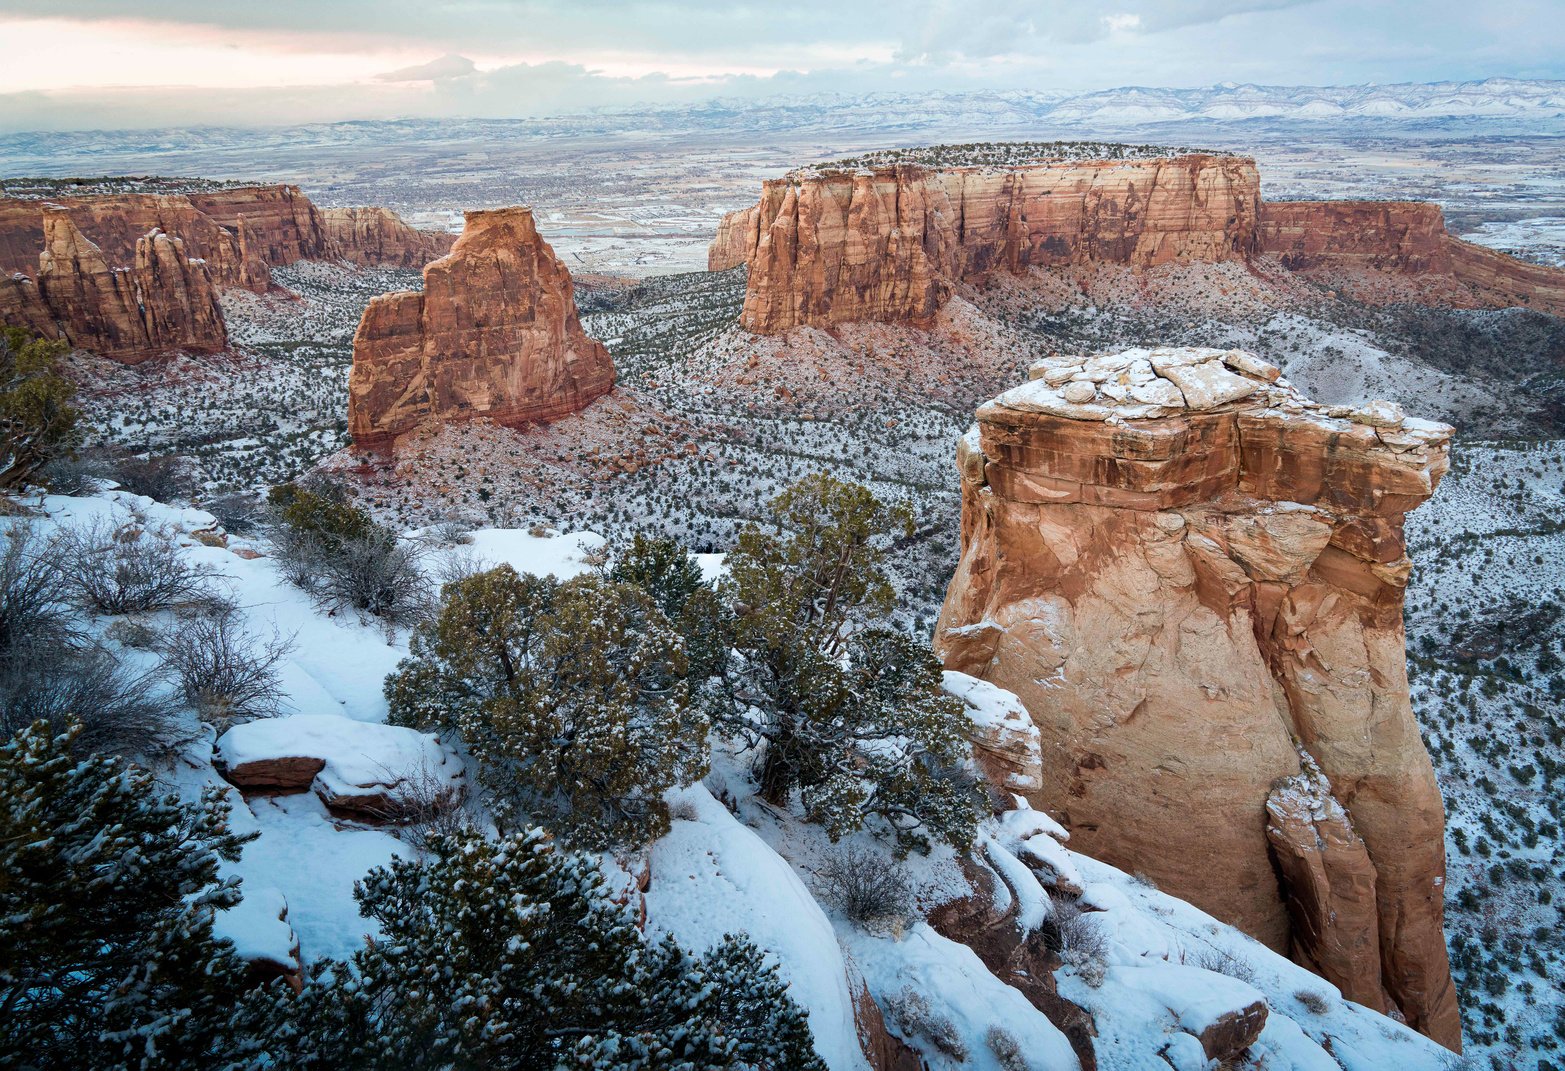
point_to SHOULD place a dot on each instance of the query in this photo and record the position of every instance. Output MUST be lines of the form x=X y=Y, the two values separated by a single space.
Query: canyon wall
x=884 y=244
x=494 y=334
x=148 y=263
x=1193 y=579
x=377 y=237
x=164 y=301
x=832 y=246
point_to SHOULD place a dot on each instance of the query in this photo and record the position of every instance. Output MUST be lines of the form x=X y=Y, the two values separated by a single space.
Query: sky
x=86 y=64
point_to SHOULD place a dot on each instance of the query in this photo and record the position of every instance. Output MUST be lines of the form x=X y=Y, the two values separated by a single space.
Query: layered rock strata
x=885 y=244
x=827 y=247
x=377 y=237
x=164 y=301
x=1188 y=572
x=495 y=334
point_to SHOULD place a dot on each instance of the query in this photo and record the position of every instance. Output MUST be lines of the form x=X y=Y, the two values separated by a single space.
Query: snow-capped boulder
x=362 y=769
x=1004 y=738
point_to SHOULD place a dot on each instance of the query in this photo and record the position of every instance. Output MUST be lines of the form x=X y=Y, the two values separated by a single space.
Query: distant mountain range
x=1125 y=109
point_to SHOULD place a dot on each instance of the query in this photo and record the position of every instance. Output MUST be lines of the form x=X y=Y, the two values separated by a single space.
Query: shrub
x=514 y=955
x=162 y=478
x=126 y=569
x=1313 y=1002
x=37 y=419
x=33 y=606
x=851 y=715
x=121 y=711
x=238 y=514
x=916 y=1019
x=868 y=888
x=571 y=695
x=664 y=569
x=115 y=965
x=223 y=671
x=1007 y=1050
x=1078 y=939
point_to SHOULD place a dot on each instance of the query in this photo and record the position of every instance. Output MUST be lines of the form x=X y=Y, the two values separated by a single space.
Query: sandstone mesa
x=1193 y=579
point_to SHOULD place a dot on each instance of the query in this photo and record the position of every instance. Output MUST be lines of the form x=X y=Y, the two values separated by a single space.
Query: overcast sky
x=106 y=63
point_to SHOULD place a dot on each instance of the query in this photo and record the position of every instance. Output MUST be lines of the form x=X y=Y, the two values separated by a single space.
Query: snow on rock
x=711 y=876
x=258 y=927
x=1224 y=1014
x=1038 y=841
x=938 y=996
x=358 y=767
x=1004 y=738
x=559 y=556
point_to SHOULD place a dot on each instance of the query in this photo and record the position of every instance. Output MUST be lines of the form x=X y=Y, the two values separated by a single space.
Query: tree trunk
x=777 y=775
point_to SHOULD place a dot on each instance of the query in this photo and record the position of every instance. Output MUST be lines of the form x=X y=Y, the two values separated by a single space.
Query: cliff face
x=378 y=237
x=164 y=301
x=1193 y=579
x=494 y=334
x=830 y=247
x=884 y=244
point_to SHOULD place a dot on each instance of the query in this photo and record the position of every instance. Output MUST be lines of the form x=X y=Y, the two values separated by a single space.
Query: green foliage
x=321 y=513
x=851 y=715
x=515 y=956
x=37 y=419
x=107 y=890
x=662 y=568
x=572 y=696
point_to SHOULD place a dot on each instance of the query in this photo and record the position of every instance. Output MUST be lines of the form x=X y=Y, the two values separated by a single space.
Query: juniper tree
x=107 y=892
x=664 y=569
x=847 y=711
x=37 y=419
x=515 y=956
x=571 y=695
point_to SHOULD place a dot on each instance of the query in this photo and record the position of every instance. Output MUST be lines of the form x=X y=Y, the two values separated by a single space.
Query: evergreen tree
x=107 y=892
x=571 y=695
x=662 y=568
x=850 y=714
x=37 y=419
x=515 y=956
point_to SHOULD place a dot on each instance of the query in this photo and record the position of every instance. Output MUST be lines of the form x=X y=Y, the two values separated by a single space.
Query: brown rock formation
x=495 y=334
x=835 y=247
x=165 y=301
x=827 y=247
x=377 y=237
x=1183 y=568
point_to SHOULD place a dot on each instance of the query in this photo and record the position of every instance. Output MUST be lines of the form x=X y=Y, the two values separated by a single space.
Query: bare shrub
x=1313 y=1002
x=129 y=569
x=1079 y=940
x=915 y=1018
x=1220 y=961
x=449 y=532
x=136 y=635
x=377 y=574
x=163 y=479
x=33 y=606
x=1007 y=1050
x=223 y=671
x=121 y=711
x=238 y=514
x=429 y=807
x=71 y=474
x=868 y=887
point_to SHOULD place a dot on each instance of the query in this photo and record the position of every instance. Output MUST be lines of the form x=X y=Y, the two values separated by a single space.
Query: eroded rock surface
x=495 y=334
x=164 y=301
x=377 y=237
x=1187 y=571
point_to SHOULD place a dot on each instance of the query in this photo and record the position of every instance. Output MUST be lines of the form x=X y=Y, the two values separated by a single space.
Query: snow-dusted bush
x=515 y=955
x=224 y=671
x=571 y=695
x=914 y=1018
x=107 y=956
x=1080 y=941
x=1007 y=1050
x=125 y=569
x=33 y=596
x=869 y=888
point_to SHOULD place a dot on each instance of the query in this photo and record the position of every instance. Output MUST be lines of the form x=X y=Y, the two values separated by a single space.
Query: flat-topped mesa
x=377 y=237
x=1193 y=578
x=885 y=243
x=164 y=301
x=1336 y=238
x=494 y=334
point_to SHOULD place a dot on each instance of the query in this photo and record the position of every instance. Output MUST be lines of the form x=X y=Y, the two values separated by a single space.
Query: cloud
x=448 y=66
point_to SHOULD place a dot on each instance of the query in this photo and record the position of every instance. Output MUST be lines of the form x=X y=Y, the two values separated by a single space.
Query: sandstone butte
x=237 y=235
x=1193 y=578
x=164 y=301
x=828 y=246
x=494 y=334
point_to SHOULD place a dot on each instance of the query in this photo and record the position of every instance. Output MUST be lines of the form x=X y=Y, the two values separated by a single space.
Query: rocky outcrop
x=828 y=246
x=885 y=244
x=1335 y=238
x=1186 y=572
x=495 y=334
x=377 y=237
x=163 y=302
